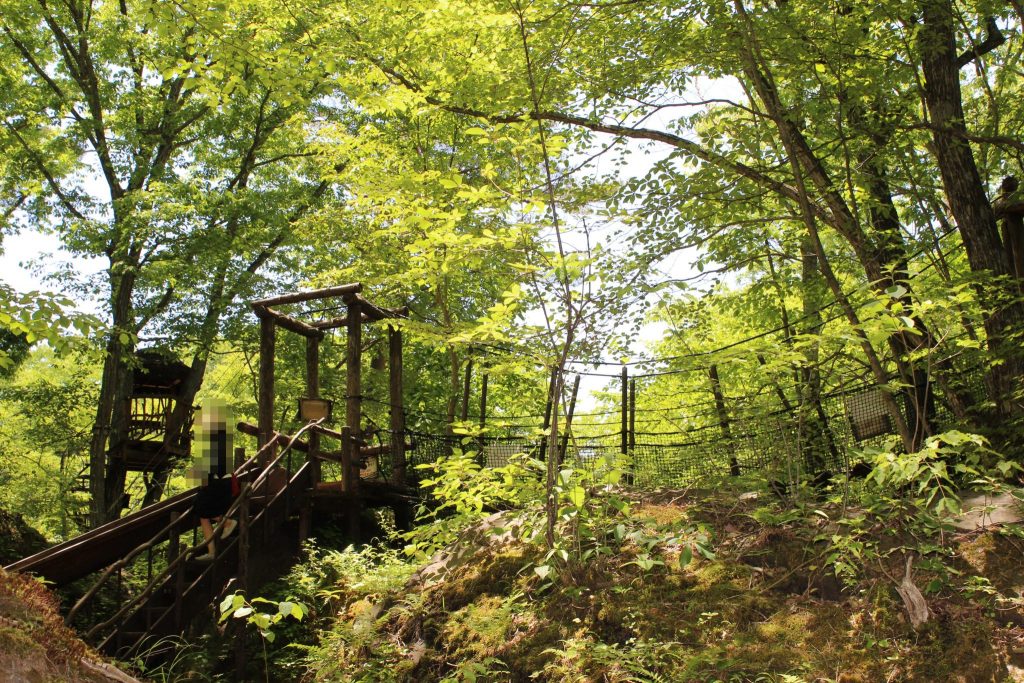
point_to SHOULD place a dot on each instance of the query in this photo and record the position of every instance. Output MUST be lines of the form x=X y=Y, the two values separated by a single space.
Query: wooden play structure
x=281 y=497
x=152 y=443
x=354 y=451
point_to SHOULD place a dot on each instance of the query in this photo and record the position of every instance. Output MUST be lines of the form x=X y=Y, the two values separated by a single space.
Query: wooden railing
x=178 y=558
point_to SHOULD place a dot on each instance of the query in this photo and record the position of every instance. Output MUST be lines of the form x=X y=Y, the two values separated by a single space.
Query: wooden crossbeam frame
x=359 y=311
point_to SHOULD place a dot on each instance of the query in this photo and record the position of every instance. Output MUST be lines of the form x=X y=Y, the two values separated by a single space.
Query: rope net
x=827 y=437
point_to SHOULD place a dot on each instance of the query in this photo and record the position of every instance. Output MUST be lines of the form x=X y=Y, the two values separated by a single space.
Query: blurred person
x=211 y=470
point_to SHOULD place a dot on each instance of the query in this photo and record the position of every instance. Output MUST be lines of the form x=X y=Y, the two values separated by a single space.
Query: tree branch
x=783 y=189
x=993 y=39
x=65 y=200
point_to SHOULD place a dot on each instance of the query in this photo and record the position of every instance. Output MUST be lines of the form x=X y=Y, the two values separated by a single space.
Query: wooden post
x=483 y=420
x=353 y=415
x=625 y=411
x=632 y=414
x=313 y=391
x=266 y=389
x=348 y=483
x=403 y=512
x=465 y=389
x=242 y=581
x=243 y=544
x=547 y=414
x=568 y=416
x=723 y=419
x=353 y=383
x=173 y=550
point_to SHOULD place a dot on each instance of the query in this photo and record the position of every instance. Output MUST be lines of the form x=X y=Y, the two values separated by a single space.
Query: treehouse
x=155 y=435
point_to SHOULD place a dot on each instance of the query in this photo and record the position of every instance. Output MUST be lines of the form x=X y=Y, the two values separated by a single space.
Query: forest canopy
x=527 y=178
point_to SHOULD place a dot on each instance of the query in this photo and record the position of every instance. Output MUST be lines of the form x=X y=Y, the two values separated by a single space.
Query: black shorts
x=214 y=499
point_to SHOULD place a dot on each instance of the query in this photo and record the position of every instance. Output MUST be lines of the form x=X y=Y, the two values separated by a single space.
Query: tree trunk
x=965 y=192
x=815 y=434
x=110 y=426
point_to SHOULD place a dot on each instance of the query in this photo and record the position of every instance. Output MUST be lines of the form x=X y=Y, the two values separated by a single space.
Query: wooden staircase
x=264 y=545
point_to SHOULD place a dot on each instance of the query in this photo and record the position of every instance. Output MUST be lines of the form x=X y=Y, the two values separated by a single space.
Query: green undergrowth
x=704 y=585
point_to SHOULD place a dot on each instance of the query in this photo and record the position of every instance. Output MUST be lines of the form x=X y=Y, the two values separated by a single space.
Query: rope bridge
x=772 y=442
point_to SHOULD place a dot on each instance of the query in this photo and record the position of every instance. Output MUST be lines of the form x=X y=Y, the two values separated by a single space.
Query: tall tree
x=168 y=139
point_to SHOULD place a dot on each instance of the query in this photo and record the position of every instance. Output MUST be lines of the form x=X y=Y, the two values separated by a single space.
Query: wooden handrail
x=226 y=548
x=183 y=556
x=120 y=564
x=123 y=562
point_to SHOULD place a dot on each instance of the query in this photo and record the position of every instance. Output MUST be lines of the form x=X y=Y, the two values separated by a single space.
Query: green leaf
x=577 y=496
x=705 y=551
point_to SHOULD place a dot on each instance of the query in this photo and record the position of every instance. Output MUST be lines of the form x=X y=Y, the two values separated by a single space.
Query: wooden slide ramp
x=104 y=545
x=180 y=589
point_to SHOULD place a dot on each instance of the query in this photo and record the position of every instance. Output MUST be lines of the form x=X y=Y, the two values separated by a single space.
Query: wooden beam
x=334 y=323
x=287 y=322
x=401 y=312
x=297 y=297
x=364 y=452
x=369 y=310
x=334 y=434
x=266 y=389
x=303 y=446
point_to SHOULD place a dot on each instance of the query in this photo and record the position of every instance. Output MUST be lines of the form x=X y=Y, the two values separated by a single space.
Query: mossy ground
x=35 y=645
x=767 y=607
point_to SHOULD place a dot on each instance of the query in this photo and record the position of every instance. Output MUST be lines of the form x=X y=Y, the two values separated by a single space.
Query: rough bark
x=965 y=192
x=110 y=425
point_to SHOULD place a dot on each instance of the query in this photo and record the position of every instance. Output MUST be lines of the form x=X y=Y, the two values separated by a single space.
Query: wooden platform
x=330 y=497
x=148 y=456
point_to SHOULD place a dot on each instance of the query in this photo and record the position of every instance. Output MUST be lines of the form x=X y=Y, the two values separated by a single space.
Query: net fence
x=829 y=438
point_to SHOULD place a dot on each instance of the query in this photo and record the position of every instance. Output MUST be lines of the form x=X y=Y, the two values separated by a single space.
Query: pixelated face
x=214 y=415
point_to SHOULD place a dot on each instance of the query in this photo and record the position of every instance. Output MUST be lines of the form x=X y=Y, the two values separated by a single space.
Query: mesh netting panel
x=824 y=440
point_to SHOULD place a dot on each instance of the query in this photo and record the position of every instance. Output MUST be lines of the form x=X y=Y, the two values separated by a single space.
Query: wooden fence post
x=625 y=411
x=483 y=420
x=723 y=419
x=465 y=389
x=403 y=512
x=632 y=414
x=353 y=415
x=242 y=579
x=266 y=389
x=173 y=550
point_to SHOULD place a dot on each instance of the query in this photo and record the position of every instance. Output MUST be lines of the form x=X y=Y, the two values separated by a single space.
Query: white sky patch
x=29 y=256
